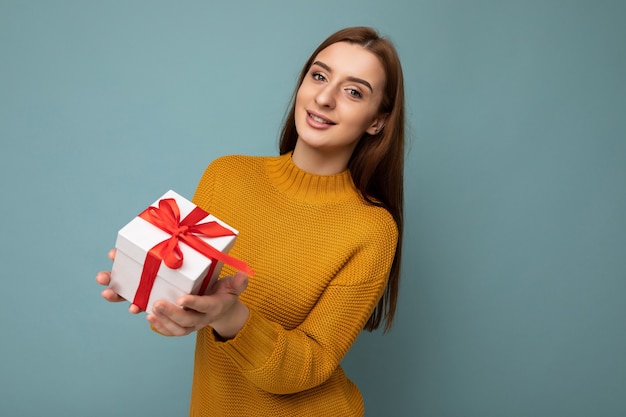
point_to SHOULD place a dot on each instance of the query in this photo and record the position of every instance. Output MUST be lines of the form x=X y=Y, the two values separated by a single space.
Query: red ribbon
x=167 y=218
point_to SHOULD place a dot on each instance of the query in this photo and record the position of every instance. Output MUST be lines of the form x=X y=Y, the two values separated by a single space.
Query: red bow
x=167 y=218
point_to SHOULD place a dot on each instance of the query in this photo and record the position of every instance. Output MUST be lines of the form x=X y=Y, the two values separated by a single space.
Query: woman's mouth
x=319 y=119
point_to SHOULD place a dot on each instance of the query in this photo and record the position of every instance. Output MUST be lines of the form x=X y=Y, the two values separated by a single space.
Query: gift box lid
x=139 y=236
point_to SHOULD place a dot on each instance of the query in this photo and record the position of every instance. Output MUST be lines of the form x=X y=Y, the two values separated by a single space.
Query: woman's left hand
x=221 y=309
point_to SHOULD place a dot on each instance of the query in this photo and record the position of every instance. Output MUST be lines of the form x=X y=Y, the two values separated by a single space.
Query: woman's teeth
x=318 y=119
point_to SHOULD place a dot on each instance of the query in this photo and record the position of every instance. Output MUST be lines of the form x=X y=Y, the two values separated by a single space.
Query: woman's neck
x=319 y=162
x=297 y=183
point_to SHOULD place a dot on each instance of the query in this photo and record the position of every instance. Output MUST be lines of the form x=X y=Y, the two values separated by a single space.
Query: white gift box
x=139 y=236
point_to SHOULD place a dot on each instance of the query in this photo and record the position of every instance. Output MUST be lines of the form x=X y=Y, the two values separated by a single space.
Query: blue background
x=514 y=278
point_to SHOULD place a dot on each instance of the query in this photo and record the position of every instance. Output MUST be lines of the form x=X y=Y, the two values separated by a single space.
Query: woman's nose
x=325 y=97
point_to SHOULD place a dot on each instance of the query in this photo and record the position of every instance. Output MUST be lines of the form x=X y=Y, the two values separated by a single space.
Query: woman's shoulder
x=237 y=159
x=376 y=218
x=236 y=163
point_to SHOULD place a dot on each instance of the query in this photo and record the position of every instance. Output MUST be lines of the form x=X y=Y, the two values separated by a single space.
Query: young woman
x=321 y=226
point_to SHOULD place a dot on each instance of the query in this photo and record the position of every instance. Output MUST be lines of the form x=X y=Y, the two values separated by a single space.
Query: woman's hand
x=221 y=309
x=103 y=278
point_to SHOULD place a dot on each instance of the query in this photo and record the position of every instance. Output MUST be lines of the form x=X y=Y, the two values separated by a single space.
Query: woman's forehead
x=352 y=60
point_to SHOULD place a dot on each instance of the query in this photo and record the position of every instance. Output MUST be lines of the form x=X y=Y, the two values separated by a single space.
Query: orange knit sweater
x=321 y=257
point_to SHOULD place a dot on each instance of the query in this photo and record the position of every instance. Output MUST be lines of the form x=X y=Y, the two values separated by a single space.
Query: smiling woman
x=321 y=225
x=335 y=105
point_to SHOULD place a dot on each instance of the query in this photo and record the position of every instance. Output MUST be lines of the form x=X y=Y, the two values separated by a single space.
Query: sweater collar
x=296 y=183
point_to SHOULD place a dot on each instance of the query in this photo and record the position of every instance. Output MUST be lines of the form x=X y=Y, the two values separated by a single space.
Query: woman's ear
x=377 y=125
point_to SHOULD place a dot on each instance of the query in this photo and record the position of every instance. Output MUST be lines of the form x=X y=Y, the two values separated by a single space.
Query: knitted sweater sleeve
x=282 y=361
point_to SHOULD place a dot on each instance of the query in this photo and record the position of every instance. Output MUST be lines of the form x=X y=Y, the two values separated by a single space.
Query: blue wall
x=514 y=277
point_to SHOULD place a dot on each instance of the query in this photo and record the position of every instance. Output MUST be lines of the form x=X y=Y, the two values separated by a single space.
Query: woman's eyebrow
x=349 y=78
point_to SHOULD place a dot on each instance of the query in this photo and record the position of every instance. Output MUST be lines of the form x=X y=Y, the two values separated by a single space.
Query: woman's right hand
x=104 y=278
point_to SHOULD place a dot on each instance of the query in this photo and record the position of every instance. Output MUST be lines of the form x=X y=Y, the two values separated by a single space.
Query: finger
x=239 y=282
x=197 y=303
x=234 y=284
x=167 y=319
x=112 y=253
x=157 y=325
x=103 y=277
x=111 y=296
x=175 y=318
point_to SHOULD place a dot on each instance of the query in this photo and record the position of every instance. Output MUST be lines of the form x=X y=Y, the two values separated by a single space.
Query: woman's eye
x=354 y=93
x=318 y=77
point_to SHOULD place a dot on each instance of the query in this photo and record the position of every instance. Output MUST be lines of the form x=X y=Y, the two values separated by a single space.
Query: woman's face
x=339 y=100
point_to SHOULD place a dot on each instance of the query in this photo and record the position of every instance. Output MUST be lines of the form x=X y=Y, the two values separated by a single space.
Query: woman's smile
x=315 y=120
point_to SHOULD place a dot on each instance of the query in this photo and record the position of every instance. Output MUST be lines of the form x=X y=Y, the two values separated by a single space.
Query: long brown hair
x=377 y=163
